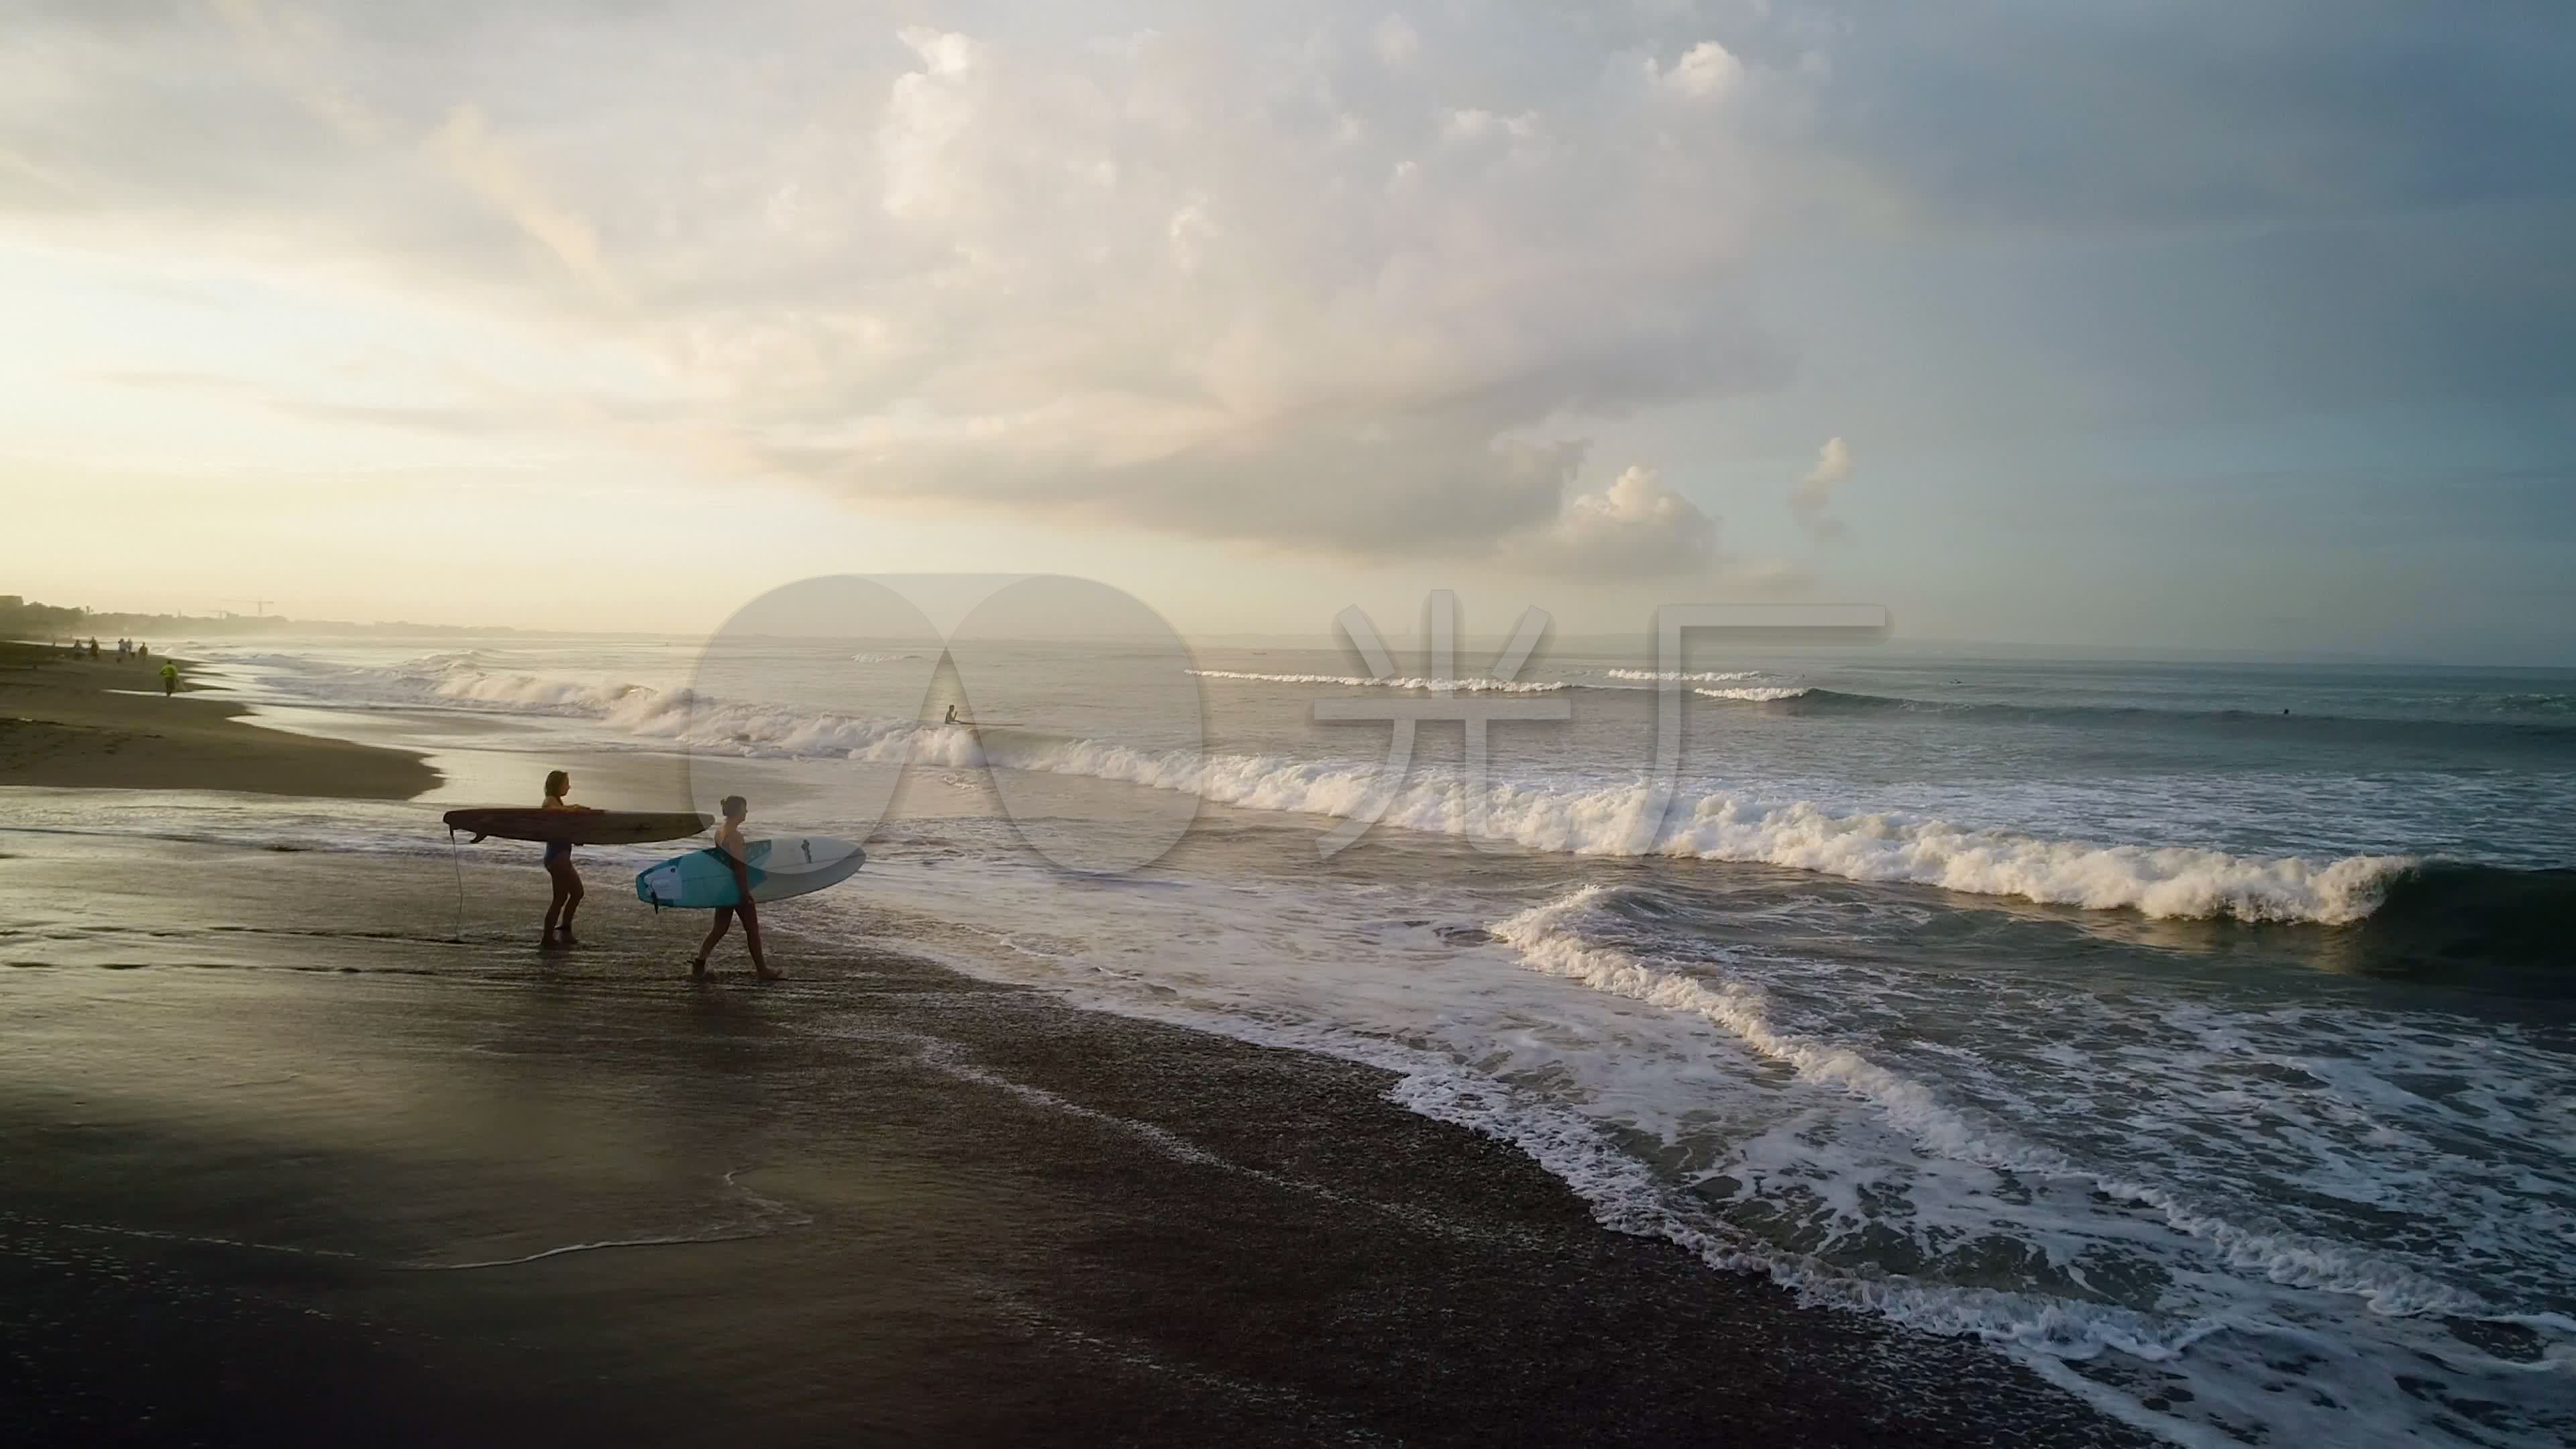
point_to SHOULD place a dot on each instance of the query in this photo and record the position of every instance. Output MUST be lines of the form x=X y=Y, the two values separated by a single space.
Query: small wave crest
x=1756 y=693
x=1679 y=676
x=2550 y=704
x=1351 y=681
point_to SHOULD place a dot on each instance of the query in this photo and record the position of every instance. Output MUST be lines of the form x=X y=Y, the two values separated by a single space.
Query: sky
x=2187 y=325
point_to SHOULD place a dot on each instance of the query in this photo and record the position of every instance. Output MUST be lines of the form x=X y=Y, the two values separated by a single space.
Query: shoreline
x=105 y=724
x=514 y=1196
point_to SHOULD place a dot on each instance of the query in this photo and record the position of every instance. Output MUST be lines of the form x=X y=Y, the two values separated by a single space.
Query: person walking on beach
x=169 y=679
x=729 y=846
x=567 y=881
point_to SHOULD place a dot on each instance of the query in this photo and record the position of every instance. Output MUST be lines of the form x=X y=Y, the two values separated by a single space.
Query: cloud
x=1707 y=72
x=1472 y=124
x=496 y=414
x=1327 y=277
x=1633 y=528
x=1123 y=311
x=486 y=166
x=1363 y=296
x=1812 y=500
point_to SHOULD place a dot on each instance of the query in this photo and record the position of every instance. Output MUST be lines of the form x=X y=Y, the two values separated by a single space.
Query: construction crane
x=260 y=604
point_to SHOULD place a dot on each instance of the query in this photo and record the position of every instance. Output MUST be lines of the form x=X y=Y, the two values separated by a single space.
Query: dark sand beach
x=311 y=1147
x=106 y=724
x=286 y=1162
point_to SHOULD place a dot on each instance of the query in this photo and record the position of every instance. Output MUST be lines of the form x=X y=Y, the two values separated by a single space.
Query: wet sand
x=288 y=1161
x=106 y=724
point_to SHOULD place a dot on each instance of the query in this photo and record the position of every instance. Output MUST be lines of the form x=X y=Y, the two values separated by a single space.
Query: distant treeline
x=20 y=619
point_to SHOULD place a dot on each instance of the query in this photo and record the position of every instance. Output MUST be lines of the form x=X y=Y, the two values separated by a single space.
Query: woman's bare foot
x=698 y=969
x=549 y=943
x=568 y=938
x=767 y=974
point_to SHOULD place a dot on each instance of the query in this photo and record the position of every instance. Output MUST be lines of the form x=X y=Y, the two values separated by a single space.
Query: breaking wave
x=1348 y=681
x=1756 y=693
x=1548 y=939
x=2171 y=1258
x=1555 y=815
x=2526 y=703
x=2452 y=915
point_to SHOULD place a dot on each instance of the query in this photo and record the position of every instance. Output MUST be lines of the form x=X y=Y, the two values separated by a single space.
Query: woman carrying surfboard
x=730 y=849
x=567 y=895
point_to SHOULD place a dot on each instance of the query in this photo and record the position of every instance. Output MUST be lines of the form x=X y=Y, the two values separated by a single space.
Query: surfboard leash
x=459 y=864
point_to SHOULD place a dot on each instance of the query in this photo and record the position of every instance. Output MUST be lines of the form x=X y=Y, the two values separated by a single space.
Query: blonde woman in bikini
x=567 y=881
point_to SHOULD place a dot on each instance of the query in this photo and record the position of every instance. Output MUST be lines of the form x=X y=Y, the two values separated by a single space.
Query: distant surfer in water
x=729 y=847
x=567 y=896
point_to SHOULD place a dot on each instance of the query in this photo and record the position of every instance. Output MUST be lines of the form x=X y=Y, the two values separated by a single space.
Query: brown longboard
x=577 y=827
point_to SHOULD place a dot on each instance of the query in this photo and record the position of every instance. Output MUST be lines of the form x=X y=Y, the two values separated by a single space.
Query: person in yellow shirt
x=169 y=679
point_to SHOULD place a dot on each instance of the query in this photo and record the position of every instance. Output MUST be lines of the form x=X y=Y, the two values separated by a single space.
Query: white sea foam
x=2110 y=1150
x=2156 y=881
x=1677 y=676
x=1503 y=1099
x=1540 y=814
x=1758 y=693
x=1352 y=681
x=1625 y=1194
x=1549 y=940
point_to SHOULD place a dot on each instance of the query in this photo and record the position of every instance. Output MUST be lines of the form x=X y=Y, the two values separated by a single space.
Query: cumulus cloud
x=1472 y=124
x=1812 y=500
x=1706 y=72
x=1364 y=295
x=1633 y=528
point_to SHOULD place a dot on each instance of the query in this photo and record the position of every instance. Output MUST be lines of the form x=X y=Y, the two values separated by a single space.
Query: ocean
x=2201 y=1035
